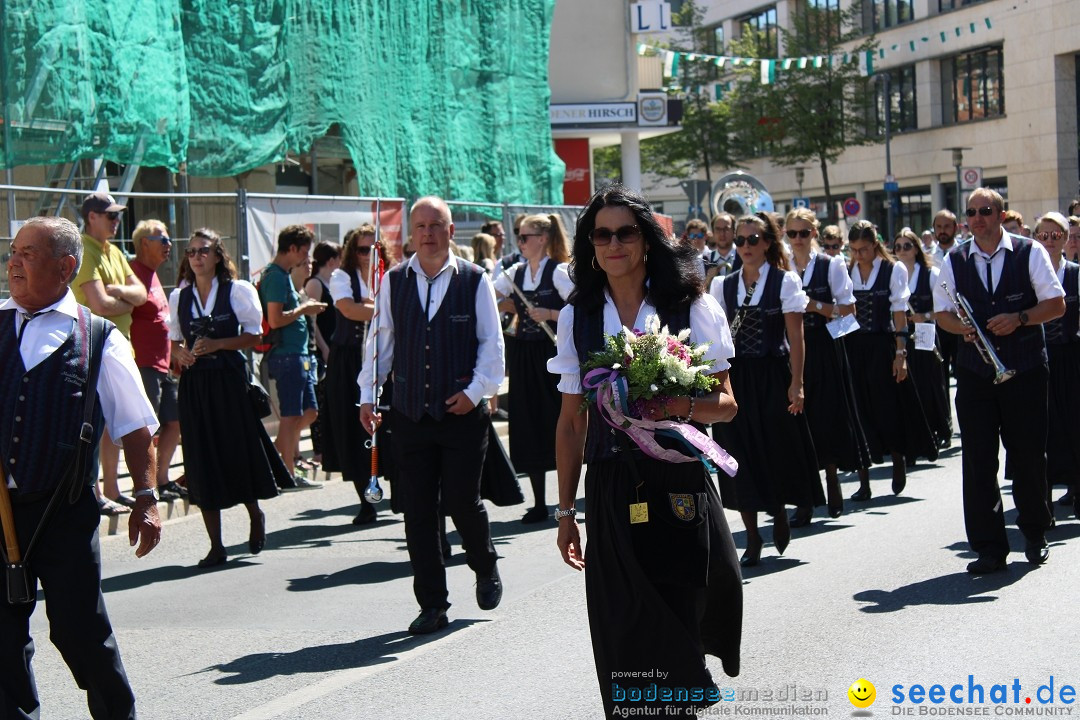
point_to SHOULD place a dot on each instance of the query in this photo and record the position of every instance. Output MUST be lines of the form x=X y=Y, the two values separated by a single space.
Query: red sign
x=577 y=186
x=852 y=207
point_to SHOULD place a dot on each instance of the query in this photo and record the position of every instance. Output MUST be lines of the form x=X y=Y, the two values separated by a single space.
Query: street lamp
x=958 y=162
x=890 y=182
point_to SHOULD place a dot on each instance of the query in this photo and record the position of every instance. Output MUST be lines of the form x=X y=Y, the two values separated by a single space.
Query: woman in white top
x=663 y=592
x=839 y=441
x=228 y=457
x=766 y=303
x=888 y=403
x=543 y=278
x=924 y=366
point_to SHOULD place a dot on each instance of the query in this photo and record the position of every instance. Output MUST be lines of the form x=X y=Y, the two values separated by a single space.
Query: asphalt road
x=314 y=627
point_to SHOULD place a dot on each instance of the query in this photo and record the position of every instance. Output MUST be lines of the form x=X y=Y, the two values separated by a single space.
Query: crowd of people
x=844 y=345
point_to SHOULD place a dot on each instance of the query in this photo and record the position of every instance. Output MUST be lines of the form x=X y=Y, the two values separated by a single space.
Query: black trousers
x=439 y=468
x=1014 y=411
x=67 y=562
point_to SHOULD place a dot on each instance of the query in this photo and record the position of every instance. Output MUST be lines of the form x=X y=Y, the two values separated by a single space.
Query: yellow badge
x=639 y=513
x=683 y=506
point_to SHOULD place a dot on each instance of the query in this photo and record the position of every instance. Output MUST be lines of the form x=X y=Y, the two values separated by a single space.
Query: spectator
x=483 y=246
x=1013 y=222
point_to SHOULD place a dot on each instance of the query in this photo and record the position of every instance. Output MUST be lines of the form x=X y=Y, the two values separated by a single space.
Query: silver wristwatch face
x=817 y=305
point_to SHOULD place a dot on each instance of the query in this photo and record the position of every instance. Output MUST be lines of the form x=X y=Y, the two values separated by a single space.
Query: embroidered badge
x=683 y=506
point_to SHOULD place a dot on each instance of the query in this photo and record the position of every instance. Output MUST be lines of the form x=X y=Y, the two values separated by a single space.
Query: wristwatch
x=146 y=492
x=901 y=353
x=1023 y=318
x=818 y=305
x=560 y=514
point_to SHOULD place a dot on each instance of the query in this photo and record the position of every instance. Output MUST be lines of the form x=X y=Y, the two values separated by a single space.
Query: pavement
x=314 y=627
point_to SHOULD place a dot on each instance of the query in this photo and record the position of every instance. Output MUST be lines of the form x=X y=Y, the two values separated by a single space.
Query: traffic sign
x=971 y=178
x=892 y=186
x=852 y=207
x=800 y=202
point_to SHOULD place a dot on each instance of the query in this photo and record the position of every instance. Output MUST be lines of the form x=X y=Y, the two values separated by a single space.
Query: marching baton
x=374 y=492
x=7 y=519
x=529 y=305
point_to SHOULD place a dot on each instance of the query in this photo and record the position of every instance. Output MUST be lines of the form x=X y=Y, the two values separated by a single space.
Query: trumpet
x=982 y=344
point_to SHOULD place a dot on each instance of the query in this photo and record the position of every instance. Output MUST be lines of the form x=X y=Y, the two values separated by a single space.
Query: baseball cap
x=101 y=202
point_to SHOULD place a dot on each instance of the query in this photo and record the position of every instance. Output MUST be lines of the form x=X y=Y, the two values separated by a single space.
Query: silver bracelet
x=690 y=415
x=570 y=513
x=146 y=492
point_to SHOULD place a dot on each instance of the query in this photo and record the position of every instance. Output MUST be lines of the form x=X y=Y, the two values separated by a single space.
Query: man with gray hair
x=52 y=347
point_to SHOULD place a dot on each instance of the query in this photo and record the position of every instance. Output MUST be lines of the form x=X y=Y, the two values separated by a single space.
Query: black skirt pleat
x=831 y=411
x=1062 y=450
x=926 y=371
x=535 y=402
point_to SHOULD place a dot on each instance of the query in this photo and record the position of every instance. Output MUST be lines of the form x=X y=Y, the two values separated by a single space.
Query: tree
x=809 y=114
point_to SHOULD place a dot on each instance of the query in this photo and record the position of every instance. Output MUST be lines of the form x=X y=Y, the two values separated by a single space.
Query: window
x=764 y=25
x=974 y=87
x=914 y=209
x=821 y=19
x=716 y=40
x=904 y=113
x=881 y=14
x=945 y=5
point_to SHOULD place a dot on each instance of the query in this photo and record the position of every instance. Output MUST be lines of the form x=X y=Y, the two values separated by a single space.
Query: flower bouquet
x=638 y=373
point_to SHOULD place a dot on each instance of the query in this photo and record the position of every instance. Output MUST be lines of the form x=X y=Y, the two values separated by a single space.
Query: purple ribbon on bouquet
x=611 y=393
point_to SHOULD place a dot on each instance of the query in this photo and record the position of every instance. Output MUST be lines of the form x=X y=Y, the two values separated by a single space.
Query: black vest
x=818 y=290
x=1062 y=331
x=433 y=359
x=761 y=330
x=1025 y=347
x=326 y=321
x=873 y=309
x=221 y=323
x=922 y=298
x=602 y=442
x=544 y=295
x=350 y=333
x=41 y=411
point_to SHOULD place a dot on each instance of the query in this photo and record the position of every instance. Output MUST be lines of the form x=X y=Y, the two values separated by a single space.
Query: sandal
x=108 y=508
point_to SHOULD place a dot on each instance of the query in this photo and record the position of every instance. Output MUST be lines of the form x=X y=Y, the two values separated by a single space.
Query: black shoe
x=429 y=621
x=899 y=477
x=215 y=558
x=172 y=487
x=781 y=534
x=752 y=555
x=366 y=516
x=257 y=535
x=1036 y=551
x=489 y=590
x=801 y=517
x=165 y=495
x=986 y=564
x=1076 y=506
x=124 y=500
x=447 y=550
x=287 y=484
x=500 y=415
x=1067 y=499
x=862 y=494
x=535 y=515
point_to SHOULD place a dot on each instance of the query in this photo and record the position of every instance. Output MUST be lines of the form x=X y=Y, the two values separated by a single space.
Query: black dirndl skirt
x=344 y=438
x=777 y=462
x=1062 y=450
x=228 y=457
x=535 y=402
x=830 y=404
x=660 y=594
x=925 y=369
x=891 y=412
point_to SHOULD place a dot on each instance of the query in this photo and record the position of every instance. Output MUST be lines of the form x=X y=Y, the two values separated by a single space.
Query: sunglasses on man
x=984 y=211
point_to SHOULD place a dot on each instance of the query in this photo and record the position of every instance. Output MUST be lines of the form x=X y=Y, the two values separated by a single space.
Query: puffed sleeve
x=943 y=298
x=565 y=364
x=716 y=290
x=246 y=306
x=562 y=281
x=120 y=389
x=793 y=298
x=502 y=281
x=708 y=324
x=898 y=287
x=840 y=282
x=174 y=316
x=340 y=286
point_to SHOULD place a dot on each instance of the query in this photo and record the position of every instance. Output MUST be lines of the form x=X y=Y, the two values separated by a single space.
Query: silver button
x=18 y=418
x=14 y=439
x=26 y=379
x=22 y=397
x=11 y=461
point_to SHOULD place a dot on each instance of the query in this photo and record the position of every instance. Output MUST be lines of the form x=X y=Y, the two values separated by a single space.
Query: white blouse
x=341 y=285
x=839 y=280
x=793 y=298
x=898 y=283
x=561 y=278
x=245 y=304
x=708 y=324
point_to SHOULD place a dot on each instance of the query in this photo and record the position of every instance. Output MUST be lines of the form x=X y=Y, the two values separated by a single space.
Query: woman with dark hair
x=1063 y=349
x=924 y=366
x=659 y=597
x=542 y=277
x=350 y=289
x=766 y=303
x=838 y=436
x=887 y=399
x=228 y=457
x=326 y=257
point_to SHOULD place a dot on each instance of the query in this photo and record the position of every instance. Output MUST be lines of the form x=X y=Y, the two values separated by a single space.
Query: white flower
x=616 y=366
x=653 y=388
x=629 y=337
x=652 y=324
x=684 y=335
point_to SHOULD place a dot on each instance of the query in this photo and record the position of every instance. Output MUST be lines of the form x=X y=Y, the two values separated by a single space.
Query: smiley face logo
x=862 y=693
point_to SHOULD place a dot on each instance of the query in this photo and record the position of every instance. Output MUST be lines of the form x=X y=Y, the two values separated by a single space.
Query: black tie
x=990 y=274
x=27 y=317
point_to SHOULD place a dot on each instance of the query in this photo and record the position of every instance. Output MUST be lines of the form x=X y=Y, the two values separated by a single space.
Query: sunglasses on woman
x=1054 y=235
x=798 y=233
x=752 y=240
x=626 y=235
x=831 y=246
x=200 y=251
x=363 y=249
x=903 y=246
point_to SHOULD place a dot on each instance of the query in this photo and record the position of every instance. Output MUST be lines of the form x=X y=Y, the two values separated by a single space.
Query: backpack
x=269 y=336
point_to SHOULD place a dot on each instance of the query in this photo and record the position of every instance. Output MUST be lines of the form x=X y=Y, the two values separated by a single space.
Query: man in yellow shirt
x=109 y=287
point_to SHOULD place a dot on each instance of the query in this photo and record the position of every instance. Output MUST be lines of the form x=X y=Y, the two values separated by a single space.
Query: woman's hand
x=899 y=368
x=795 y=397
x=205 y=346
x=569 y=542
x=539 y=314
x=182 y=356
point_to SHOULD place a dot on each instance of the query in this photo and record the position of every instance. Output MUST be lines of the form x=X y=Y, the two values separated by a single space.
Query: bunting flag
x=768 y=66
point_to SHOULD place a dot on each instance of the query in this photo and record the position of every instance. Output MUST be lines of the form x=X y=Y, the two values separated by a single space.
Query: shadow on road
x=366 y=652
x=958 y=588
x=366 y=574
x=166 y=573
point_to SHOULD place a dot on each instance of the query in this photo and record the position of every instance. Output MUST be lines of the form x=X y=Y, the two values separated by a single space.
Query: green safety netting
x=430 y=96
